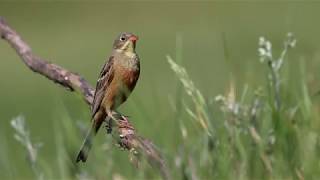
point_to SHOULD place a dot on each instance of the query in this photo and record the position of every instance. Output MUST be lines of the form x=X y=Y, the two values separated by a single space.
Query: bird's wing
x=105 y=78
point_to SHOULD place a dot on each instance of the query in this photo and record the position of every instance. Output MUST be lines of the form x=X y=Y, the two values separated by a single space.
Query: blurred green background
x=214 y=41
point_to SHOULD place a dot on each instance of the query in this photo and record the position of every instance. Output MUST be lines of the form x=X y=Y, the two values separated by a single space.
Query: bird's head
x=125 y=42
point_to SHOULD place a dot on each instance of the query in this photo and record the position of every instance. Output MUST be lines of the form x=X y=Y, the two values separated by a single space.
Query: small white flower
x=268 y=46
x=262 y=41
x=219 y=98
x=290 y=34
x=262 y=59
x=293 y=43
x=262 y=51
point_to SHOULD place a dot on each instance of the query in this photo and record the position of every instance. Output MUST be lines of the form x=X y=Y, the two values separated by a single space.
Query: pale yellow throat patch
x=127 y=49
x=129 y=53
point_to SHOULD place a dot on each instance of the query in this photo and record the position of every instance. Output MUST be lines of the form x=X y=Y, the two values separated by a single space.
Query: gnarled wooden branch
x=128 y=140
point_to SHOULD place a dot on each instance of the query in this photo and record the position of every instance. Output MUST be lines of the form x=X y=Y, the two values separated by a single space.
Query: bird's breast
x=126 y=72
x=128 y=77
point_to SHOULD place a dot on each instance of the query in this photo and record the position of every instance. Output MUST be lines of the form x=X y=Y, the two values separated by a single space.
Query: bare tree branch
x=70 y=80
x=128 y=140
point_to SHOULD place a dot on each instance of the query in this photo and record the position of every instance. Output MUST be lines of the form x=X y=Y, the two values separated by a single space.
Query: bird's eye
x=122 y=39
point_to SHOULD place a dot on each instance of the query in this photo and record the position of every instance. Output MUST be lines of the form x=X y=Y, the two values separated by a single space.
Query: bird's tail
x=86 y=146
x=87 y=143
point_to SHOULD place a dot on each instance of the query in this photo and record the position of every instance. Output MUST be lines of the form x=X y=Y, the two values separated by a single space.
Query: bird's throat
x=129 y=52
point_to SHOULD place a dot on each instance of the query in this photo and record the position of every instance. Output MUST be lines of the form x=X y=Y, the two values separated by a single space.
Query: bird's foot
x=124 y=123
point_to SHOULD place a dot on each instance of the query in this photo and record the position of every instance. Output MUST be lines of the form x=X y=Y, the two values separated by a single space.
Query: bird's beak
x=134 y=38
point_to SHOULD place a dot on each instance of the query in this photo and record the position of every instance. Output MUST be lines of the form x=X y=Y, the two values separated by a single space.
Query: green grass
x=265 y=133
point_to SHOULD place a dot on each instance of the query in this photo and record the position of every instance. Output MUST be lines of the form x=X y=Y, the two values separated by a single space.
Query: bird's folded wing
x=105 y=78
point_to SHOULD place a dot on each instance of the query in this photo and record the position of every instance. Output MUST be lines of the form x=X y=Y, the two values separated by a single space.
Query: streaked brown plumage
x=117 y=79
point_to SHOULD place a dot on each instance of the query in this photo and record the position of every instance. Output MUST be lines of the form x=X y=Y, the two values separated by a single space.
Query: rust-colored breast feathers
x=130 y=78
x=120 y=88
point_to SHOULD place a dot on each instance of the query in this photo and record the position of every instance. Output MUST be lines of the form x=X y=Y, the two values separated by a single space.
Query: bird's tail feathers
x=86 y=146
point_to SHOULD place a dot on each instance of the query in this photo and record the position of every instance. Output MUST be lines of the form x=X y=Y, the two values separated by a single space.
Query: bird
x=117 y=80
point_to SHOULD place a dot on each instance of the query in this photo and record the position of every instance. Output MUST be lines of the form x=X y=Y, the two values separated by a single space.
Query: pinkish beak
x=134 y=38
